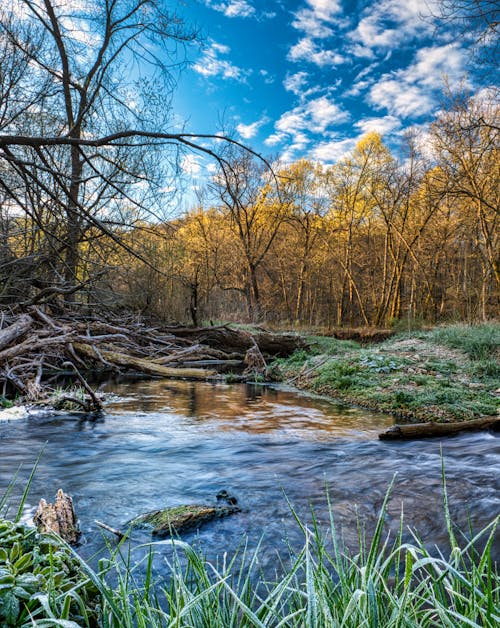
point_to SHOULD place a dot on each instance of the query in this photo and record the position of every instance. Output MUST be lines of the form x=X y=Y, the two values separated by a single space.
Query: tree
x=93 y=132
x=466 y=140
x=255 y=215
x=480 y=17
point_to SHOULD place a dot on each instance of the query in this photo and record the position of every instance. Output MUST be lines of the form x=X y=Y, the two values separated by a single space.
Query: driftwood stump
x=58 y=517
x=254 y=362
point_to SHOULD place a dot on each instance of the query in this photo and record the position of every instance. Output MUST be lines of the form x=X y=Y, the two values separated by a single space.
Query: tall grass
x=385 y=583
x=479 y=342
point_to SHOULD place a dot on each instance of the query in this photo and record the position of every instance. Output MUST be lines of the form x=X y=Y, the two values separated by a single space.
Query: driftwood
x=15 y=331
x=424 y=430
x=236 y=340
x=118 y=533
x=146 y=366
x=34 y=344
x=58 y=517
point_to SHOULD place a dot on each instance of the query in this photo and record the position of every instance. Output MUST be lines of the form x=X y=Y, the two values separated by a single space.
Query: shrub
x=41 y=580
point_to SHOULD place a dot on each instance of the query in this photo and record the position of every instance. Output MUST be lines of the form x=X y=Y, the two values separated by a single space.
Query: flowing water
x=167 y=443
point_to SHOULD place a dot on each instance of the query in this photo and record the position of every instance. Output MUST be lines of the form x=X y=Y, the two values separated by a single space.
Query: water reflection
x=167 y=443
x=247 y=408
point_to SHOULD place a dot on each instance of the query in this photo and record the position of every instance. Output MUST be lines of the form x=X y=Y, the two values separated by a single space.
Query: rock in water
x=58 y=517
x=181 y=518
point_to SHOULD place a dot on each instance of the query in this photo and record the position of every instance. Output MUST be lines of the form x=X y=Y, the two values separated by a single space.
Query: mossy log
x=363 y=335
x=181 y=518
x=425 y=430
x=143 y=365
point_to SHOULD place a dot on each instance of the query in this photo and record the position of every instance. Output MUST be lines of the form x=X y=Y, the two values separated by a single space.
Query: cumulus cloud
x=247 y=131
x=211 y=63
x=412 y=91
x=316 y=19
x=383 y=125
x=296 y=83
x=233 y=8
x=387 y=23
x=316 y=116
x=306 y=49
x=331 y=151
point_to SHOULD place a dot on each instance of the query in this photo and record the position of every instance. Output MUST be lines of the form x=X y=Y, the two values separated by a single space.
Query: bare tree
x=93 y=134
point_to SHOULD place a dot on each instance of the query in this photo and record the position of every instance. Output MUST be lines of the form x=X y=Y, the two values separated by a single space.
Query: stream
x=165 y=443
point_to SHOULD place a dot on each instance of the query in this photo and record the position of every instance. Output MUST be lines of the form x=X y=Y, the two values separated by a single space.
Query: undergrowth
x=447 y=374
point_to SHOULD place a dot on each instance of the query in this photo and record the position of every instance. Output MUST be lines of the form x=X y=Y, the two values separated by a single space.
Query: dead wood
x=96 y=402
x=425 y=430
x=145 y=366
x=34 y=343
x=58 y=517
x=114 y=531
x=15 y=331
x=238 y=341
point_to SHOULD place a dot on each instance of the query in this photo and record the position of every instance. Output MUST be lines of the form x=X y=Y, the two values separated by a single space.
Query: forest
x=370 y=240
x=88 y=184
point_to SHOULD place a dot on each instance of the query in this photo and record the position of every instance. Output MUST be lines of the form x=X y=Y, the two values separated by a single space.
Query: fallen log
x=239 y=341
x=144 y=366
x=15 y=331
x=426 y=430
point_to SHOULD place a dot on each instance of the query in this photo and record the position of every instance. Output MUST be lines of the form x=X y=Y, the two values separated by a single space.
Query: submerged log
x=143 y=365
x=181 y=518
x=424 y=430
x=58 y=517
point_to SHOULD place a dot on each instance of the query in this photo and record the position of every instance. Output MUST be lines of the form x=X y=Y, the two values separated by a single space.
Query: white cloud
x=387 y=23
x=274 y=139
x=412 y=91
x=211 y=64
x=316 y=20
x=247 y=131
x=268 y=78
x=316 y=116
x=400 y=98
x=308 y=50
x=382 y=125
x=233 y=8
x=190 y=164
x=333 y=150
x=296 y=83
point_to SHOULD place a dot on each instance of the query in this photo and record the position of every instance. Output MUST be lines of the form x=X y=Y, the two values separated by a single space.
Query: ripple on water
x=167 y=443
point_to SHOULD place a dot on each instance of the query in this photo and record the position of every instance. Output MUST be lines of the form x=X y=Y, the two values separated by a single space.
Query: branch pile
x=34 y=345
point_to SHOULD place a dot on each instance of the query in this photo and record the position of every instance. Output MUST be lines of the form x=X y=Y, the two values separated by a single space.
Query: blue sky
x=307 y=78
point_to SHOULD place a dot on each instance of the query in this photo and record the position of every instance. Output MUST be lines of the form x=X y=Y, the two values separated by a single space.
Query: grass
x=386 y=583
x=446 y=374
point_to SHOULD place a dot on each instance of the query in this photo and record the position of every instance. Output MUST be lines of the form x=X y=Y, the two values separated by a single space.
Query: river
x=163 y=443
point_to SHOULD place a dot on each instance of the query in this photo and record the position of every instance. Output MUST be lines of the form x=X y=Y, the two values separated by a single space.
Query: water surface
x=165 y=443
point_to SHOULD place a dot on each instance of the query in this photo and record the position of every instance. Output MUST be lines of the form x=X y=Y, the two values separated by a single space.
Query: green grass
x=417 y=376
x=479 y=342
x=385 y=582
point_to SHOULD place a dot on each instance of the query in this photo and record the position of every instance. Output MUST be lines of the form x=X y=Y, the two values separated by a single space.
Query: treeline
x=367 y=241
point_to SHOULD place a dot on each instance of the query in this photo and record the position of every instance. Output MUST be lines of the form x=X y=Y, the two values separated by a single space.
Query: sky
x=308 y=78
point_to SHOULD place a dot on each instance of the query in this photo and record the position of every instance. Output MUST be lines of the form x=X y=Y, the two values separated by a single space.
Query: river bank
x=448 y=374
